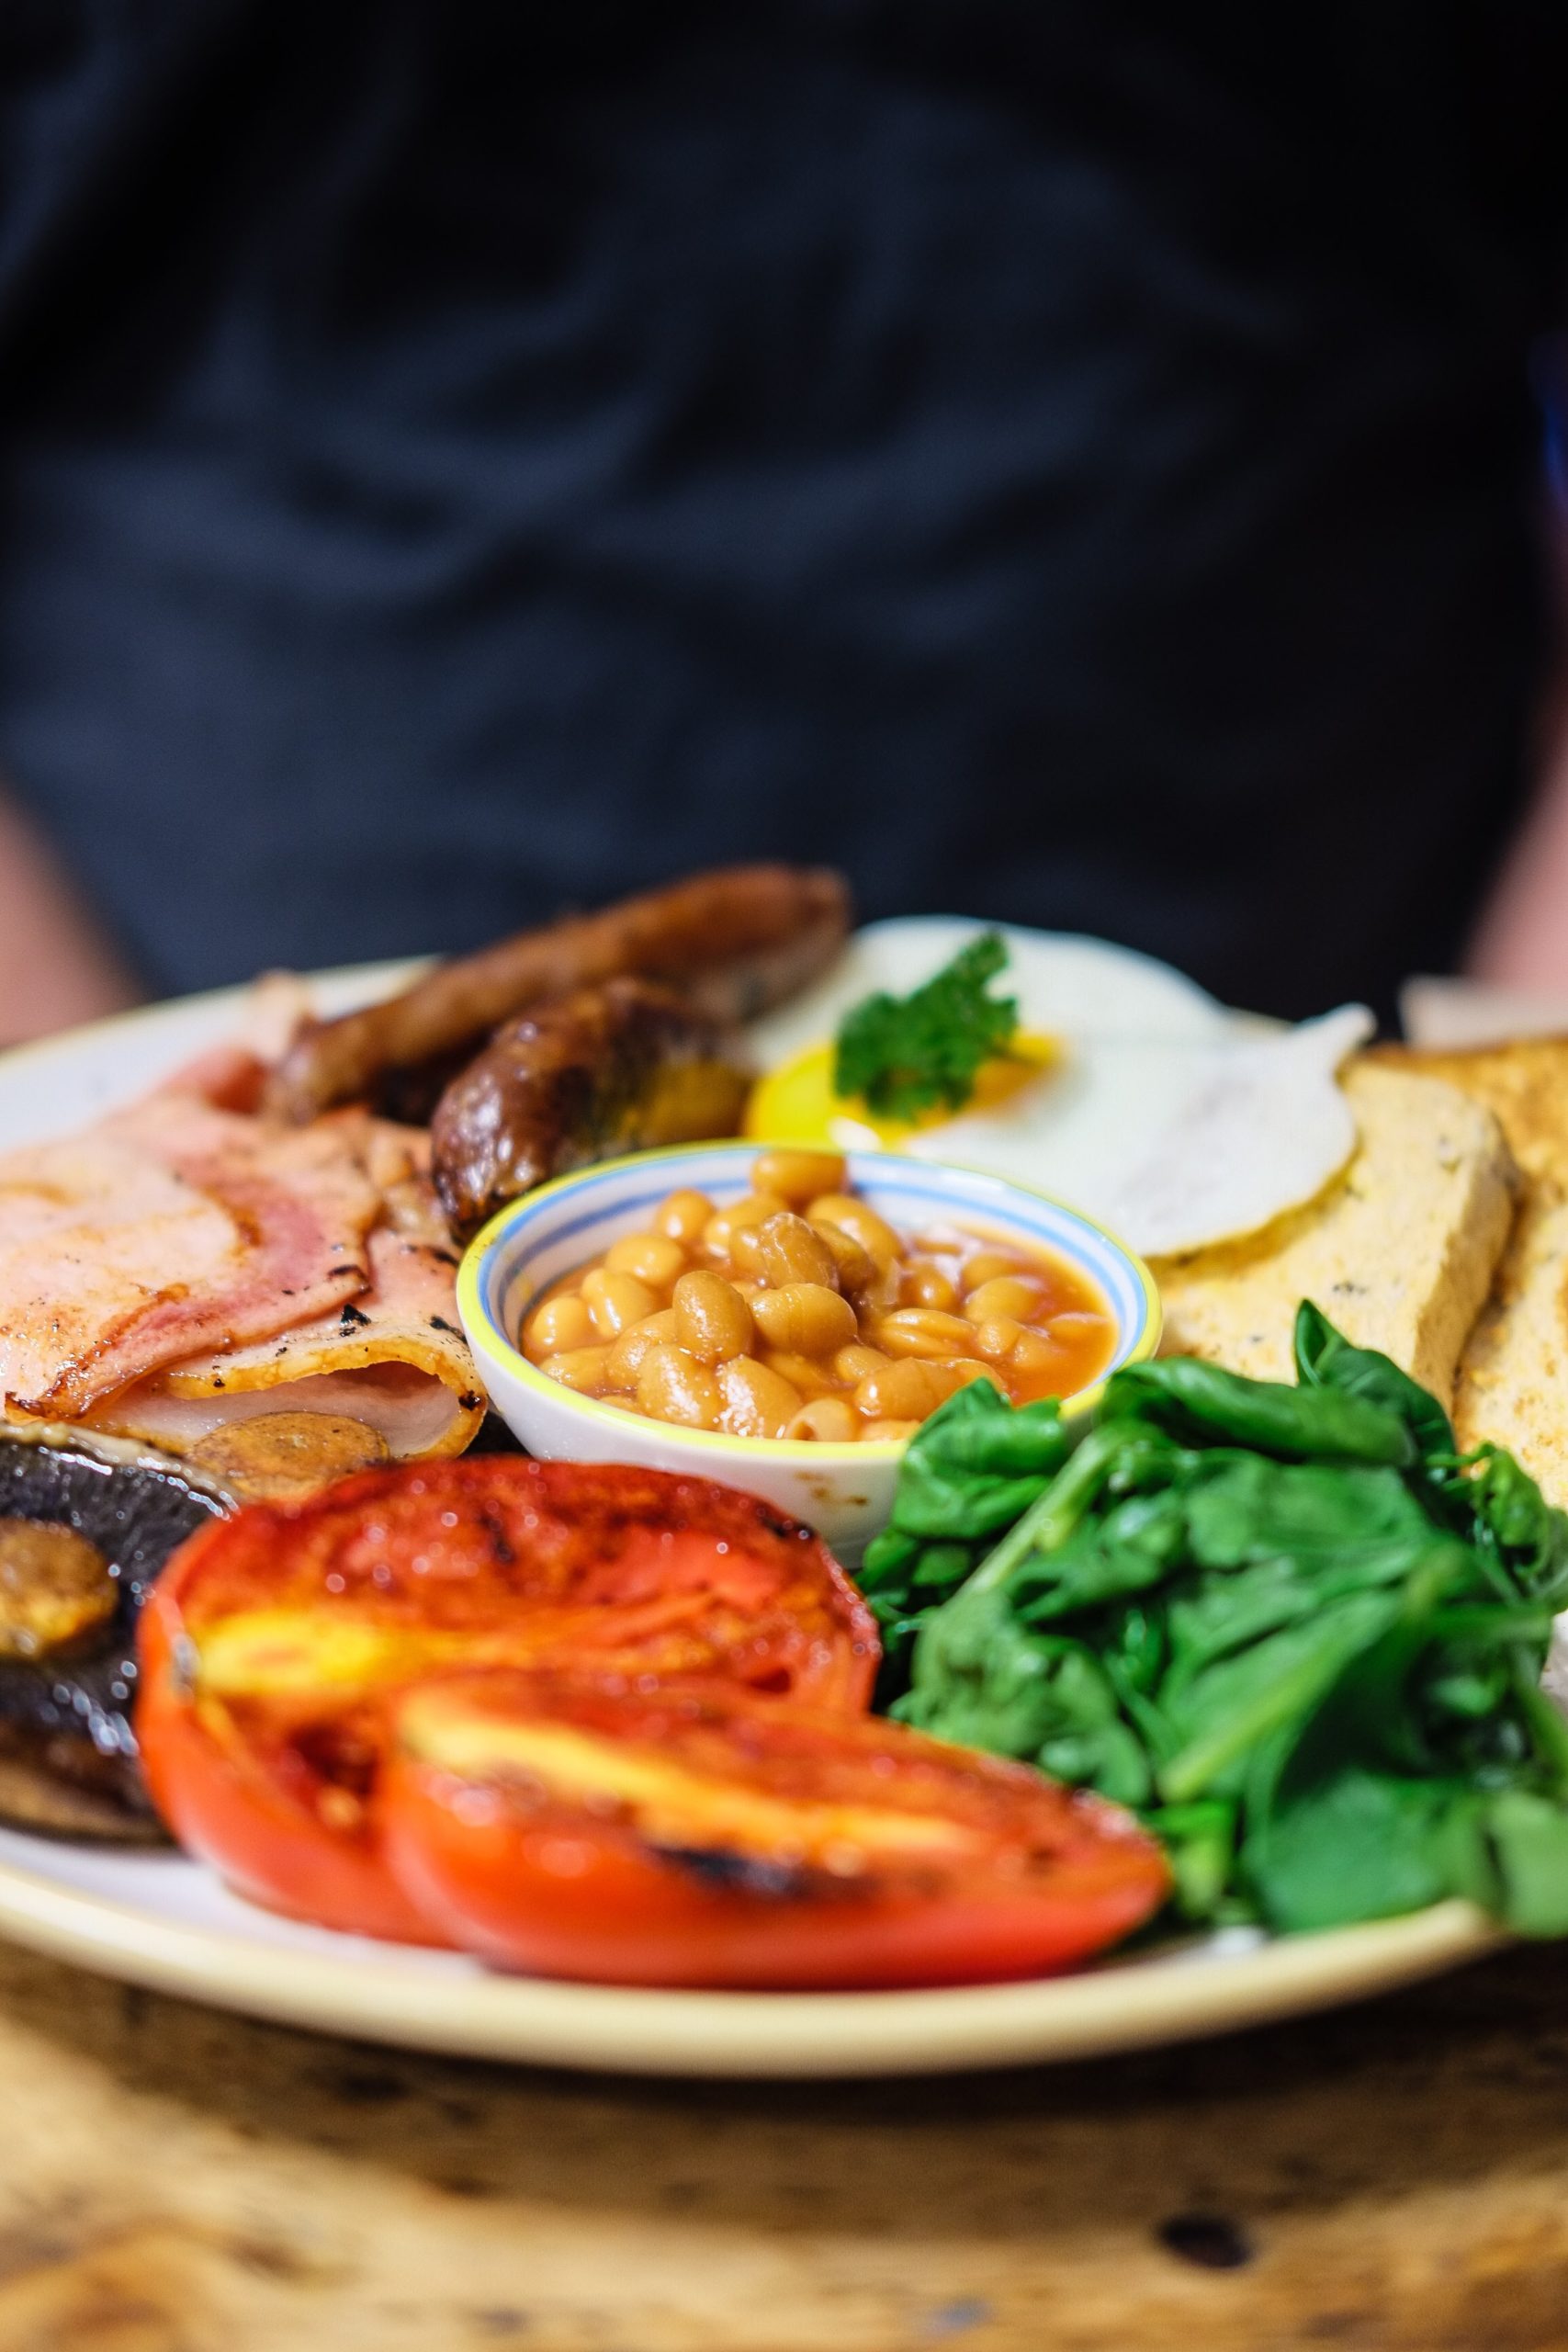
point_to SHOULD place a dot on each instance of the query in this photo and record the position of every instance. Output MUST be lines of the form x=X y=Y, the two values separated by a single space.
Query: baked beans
x=797 y=1312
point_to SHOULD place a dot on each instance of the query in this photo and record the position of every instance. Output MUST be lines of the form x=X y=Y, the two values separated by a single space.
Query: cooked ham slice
x=186 y=1265
x=170 y=1229
x=395 y=1358
x=417 y=1415
x=233 y=1076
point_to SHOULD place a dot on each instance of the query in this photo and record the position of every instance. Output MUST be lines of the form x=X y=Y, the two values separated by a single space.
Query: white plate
x=159 y=1920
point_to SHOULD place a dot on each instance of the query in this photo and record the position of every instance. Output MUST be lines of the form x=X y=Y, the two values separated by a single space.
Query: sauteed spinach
x=1293 y=1628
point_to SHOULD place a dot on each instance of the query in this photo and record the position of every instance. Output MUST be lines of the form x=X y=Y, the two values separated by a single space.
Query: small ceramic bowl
x=845 y=1492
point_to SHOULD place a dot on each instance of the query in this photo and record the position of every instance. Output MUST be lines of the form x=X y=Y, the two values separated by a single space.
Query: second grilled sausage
x=618 y=1067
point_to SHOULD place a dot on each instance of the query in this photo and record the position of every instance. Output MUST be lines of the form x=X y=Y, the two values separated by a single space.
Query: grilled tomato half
x=698 y=1836
x=276 y=1640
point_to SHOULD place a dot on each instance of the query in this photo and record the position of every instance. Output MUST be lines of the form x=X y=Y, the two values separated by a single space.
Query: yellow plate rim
x=432 y=2002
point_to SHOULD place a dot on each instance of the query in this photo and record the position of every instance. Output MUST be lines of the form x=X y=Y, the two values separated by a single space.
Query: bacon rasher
x=168 y=1228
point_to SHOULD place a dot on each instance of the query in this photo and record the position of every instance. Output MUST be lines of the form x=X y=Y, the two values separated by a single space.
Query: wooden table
x=1396 y=2177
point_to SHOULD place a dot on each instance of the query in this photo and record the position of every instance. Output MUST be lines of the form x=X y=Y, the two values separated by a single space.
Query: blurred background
x=1090 y=465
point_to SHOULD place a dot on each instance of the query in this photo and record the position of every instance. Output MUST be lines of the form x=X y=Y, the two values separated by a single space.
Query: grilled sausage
x=733 y=942
x=616 y=1067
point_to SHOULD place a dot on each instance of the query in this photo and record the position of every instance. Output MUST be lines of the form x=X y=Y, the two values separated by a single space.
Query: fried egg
x=1128 y=1090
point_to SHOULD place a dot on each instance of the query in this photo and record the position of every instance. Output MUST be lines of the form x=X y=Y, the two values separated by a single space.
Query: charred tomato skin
x=443 y=1564
x=558 y=1884
x=238 y=1807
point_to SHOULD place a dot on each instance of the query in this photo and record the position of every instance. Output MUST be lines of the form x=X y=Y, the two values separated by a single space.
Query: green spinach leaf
x=1292 y=1626
x=1324 y=1359
x=1202 y=1402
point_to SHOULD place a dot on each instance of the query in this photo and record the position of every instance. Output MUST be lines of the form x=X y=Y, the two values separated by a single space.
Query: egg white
x=1168 y=1118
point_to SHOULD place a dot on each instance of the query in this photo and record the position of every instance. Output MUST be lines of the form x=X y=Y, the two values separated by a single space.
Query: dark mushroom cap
x=68 y=1754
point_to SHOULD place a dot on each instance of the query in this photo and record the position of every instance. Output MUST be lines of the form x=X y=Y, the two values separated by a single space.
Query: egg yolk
x=795 y=1103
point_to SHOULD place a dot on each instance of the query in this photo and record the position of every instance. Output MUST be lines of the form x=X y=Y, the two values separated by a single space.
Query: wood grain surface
x=1395 y=2176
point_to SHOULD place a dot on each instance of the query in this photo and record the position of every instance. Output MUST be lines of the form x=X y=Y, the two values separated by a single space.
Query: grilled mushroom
x=85 y=1525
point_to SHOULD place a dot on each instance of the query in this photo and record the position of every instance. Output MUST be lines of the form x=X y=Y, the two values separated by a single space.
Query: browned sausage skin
x=733 y=942
x=621 y=1066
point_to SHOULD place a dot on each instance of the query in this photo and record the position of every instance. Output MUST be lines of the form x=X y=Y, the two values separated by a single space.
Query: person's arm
x=1521 y=940
x=58 y=965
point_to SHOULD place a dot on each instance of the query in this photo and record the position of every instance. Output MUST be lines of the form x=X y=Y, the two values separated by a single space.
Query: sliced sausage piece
x=618 y=1067
x=734 y=943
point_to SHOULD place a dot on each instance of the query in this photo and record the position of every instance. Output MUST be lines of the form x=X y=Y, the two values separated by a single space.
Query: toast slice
x=1398 y=1251
x=1513 y=1376
x=1525 y=1084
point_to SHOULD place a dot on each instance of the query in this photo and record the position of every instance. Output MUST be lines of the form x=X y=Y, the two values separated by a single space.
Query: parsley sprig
x=901 y=1055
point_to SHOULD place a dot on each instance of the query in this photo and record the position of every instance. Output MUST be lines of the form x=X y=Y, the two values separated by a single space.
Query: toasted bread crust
x=1513 y=1379
x=1398 y=1251
x=1525 y=1084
